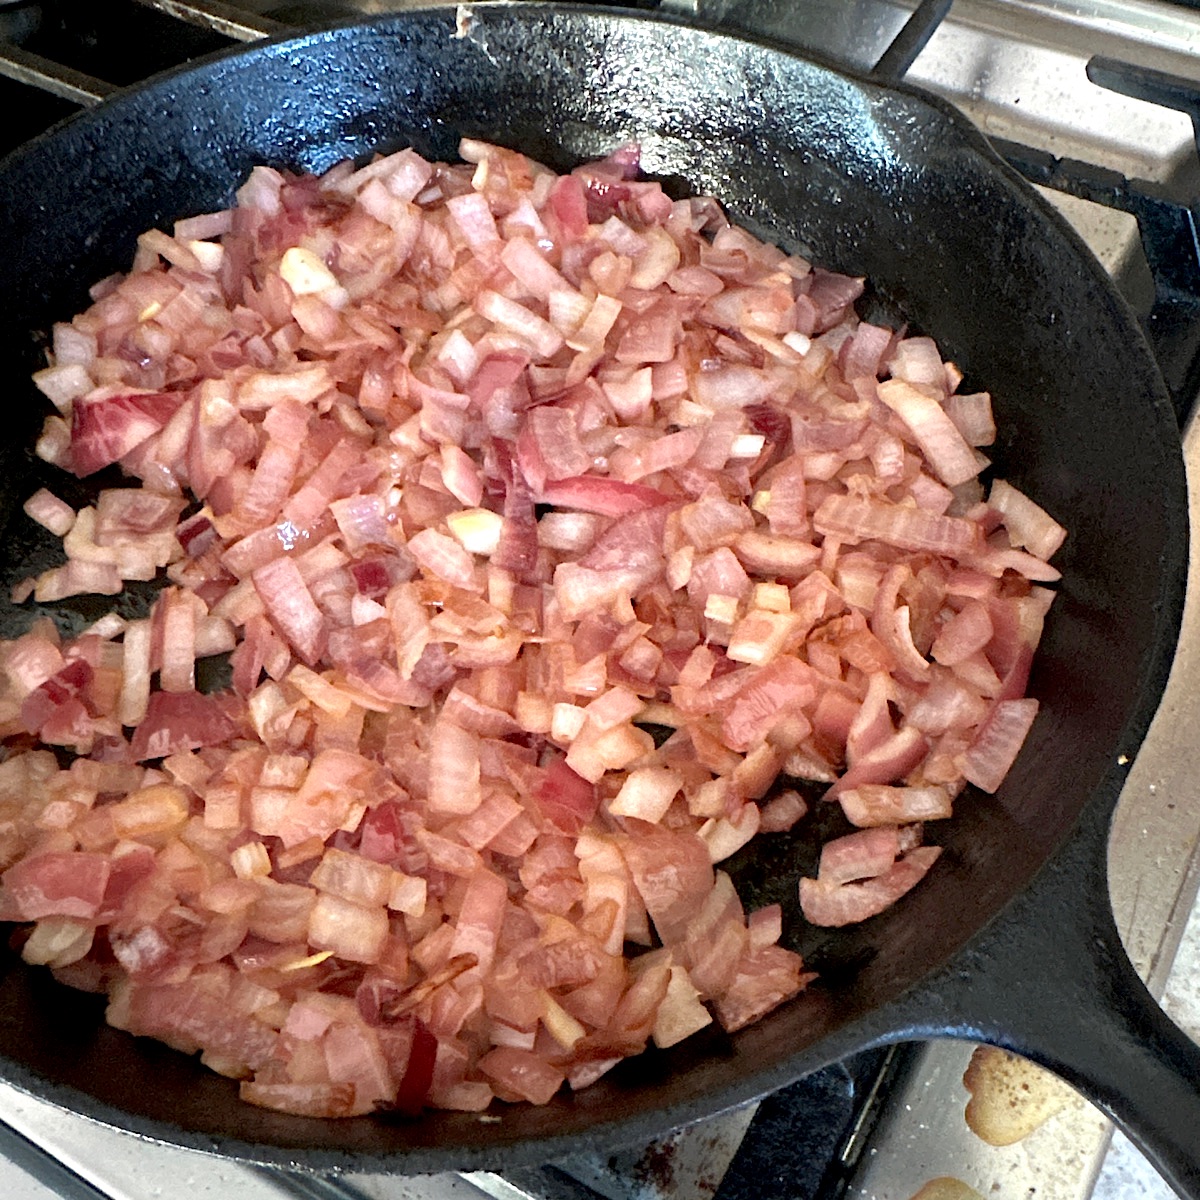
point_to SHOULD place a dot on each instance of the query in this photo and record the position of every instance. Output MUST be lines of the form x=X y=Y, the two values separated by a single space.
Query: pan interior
x=866 y=180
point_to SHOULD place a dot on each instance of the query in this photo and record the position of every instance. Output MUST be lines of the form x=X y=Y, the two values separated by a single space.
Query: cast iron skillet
x=1011 y=940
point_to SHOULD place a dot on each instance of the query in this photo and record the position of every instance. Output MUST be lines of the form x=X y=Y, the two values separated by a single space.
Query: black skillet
x=1011 y=940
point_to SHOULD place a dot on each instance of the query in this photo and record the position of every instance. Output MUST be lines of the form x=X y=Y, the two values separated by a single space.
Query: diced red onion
x=492 y=467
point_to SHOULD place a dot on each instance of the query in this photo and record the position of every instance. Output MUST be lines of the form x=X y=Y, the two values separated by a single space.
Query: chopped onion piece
x=647 y=793
x=477 y=529
x=1029 y=525
x=304 y=272
x=50 y=512
x=349 y=930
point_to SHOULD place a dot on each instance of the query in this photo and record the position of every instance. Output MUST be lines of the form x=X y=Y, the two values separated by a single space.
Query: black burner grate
x=1167 y=221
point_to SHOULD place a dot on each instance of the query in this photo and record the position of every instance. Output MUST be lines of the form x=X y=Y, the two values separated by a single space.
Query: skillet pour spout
x=864 y=178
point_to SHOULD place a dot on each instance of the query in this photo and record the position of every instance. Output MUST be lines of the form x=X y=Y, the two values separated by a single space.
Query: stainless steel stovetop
x=1018 y=68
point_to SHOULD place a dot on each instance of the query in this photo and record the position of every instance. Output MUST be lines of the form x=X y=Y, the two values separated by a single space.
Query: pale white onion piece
x=947 y=451
x=50 y=512
x=1029 y=525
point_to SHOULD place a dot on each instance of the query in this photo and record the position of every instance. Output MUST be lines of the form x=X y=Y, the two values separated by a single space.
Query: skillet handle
x=1050 y=980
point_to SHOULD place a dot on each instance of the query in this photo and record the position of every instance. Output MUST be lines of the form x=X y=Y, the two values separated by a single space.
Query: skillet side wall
x=870 y=181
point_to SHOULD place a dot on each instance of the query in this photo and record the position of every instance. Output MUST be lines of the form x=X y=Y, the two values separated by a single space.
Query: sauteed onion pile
x=546 y=523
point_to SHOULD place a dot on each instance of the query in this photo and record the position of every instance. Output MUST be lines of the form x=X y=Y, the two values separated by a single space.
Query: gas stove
x=1097 y=102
